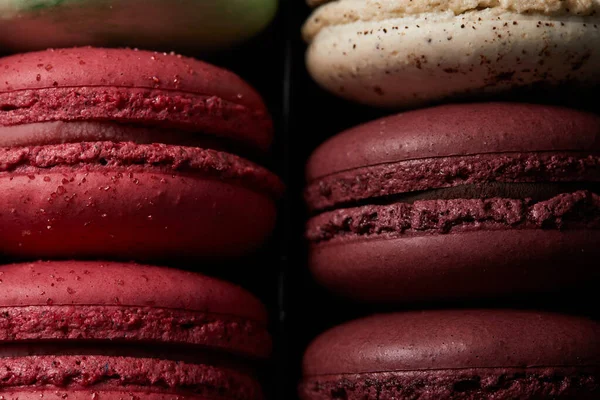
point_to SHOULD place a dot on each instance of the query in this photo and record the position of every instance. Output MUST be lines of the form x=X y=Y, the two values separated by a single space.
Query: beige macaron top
x=341 y=12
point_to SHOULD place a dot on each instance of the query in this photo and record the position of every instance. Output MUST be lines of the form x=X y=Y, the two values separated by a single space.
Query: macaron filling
x=580 y=209
x=449 y=194
x=61 y=132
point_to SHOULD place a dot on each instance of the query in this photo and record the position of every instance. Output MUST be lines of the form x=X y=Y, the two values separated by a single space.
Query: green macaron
x=196 y=25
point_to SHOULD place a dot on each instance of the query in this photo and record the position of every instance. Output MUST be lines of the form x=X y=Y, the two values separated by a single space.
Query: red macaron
x=457 y=201
x=111 y=330
x=130 y=154
x=456 y=354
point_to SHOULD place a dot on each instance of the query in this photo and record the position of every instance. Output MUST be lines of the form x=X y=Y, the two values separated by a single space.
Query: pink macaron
x=116 y=153
x=92 y=330
x=459 y=201
x=455 y=354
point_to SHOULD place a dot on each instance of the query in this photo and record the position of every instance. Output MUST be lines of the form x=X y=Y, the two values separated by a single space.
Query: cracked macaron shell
x=131 y=86
x=449 y=343
x=403 y=60
x=106 y=301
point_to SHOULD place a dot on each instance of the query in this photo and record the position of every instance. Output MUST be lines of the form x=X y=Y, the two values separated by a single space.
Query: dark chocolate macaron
x=457 y=201
x=456 y=354
x=130 y=154
x=91 y=330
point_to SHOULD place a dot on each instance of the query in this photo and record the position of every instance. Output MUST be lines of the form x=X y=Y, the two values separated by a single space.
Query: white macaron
x=406 y=53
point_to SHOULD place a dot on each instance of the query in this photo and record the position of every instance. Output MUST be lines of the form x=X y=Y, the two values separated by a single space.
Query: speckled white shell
x=411 y=61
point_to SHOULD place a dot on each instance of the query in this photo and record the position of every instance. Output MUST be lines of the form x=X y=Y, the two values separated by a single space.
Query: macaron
x=458 y=201
x=191 y=25
x=456 y=354
x=408 y=53
x=125 y=154
x=93 y=330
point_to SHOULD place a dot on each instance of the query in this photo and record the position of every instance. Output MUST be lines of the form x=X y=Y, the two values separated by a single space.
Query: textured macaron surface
x=455 y=354
x=134 y=87
x=96 y=301
x=451 y=166
x=370 y=10
x=110 y=157
x=126 y=148
x=111 y=377
x=114 y=328
x=404 y=53
x=457 y=201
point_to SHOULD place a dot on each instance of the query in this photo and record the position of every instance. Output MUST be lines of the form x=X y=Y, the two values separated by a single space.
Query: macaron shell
x=468 y=265
x=131 y=86
x=457 y=130
x=101 y=282
x=126 y=68
x=409 y=62
x=82 y=302
x=448 y=339
x=128 y=214
x=159 y=24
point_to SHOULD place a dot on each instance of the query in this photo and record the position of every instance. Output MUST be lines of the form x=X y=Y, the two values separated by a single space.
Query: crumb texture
x=467 y=384
x=170 y=158
x=169 y=109
x=121 y=323
x=135 y=374
x=415 y=175
x=578 y=209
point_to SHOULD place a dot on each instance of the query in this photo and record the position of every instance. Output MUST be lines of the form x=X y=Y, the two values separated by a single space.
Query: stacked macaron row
x=457 y=202
x=491 y=202
x=111 y=155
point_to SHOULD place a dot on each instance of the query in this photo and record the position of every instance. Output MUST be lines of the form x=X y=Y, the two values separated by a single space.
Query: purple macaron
x=457 y=201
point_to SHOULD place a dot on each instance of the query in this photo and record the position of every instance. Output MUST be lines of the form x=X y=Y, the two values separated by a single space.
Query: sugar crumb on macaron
x=90 y=329
x=131 y=155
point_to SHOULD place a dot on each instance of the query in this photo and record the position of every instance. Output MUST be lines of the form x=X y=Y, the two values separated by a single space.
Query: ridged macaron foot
x=457 y=201
x=130 y=154
x=191 y=25
x=109 y=329
x=456 y=354
x=405 y=53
